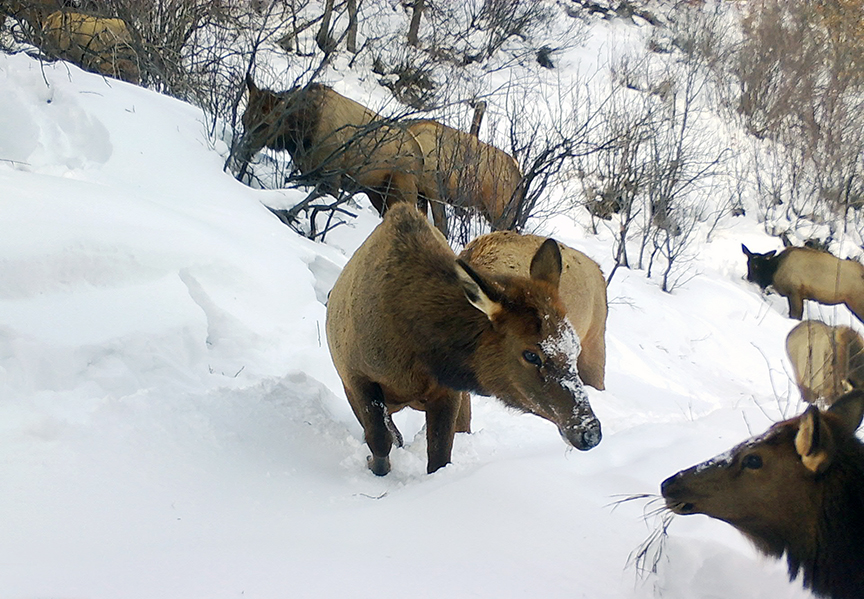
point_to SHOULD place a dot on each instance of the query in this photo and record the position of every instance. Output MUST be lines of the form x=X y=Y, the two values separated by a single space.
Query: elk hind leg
x=463 y=418
x=367 y=401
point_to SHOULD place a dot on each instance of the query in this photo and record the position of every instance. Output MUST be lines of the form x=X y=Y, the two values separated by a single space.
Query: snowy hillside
x=171 y=424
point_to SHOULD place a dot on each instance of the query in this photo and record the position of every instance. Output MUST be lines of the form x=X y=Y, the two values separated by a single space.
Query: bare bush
x=798 y=76
x=653 y=182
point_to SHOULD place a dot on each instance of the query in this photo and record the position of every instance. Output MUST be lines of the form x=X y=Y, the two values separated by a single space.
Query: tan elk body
x=463 y=171
x=97 y=43
x=827 y=360
x=334 y=141
x=800 y=274
x=339 y=144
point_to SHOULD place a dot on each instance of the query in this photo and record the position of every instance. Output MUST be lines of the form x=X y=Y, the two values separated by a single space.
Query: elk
x=800 y=273
x=582 y=290
x=99 y=44
x=797 y=489
x=409 y=324
x=340 y=144
x=333 y=141
x=827 y=360
x=465 y=172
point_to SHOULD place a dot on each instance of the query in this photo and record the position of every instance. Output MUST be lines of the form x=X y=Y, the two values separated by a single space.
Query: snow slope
x=171 y=425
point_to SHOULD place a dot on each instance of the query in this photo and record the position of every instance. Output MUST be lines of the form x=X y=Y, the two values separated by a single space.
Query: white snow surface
x=171 y=424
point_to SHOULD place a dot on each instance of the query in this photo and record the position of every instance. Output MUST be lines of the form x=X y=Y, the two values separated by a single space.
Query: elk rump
x=827 y=360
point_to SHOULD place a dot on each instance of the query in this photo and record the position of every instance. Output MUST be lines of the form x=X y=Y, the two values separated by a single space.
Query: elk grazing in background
x=338 y=143
x=465 y=172
x=804 y=273
x=827 y=360
x=95 y=43
x=408 y=324
x=582 y=290
x=796 y=490
x=334 y=141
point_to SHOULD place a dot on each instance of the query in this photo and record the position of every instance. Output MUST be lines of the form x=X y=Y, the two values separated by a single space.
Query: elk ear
x=478 y=291
x=250 y=85
x=746 y=251
x=849 y=409
x=546 y=263
x=813 y=441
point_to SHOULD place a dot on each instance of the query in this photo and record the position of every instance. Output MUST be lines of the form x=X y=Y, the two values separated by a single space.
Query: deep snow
x=171 y=424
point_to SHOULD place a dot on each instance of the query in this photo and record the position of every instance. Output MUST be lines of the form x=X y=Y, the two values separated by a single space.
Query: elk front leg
x=796 y=306
x=440 y=430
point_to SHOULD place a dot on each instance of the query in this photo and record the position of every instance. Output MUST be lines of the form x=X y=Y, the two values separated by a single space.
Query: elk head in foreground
x=797 y=490
x=410 y=325
x=582 y=290
x=799 y=273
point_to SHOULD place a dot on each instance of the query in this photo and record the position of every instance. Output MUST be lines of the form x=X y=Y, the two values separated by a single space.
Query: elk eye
x=752 y=461
x=532 y=358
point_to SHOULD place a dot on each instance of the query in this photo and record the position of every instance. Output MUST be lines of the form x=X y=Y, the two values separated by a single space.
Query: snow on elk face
x=540 y=374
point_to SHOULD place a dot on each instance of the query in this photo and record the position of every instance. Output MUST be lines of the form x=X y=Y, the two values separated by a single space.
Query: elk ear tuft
x=478 y=291
x=813 y=441
x=546 y=263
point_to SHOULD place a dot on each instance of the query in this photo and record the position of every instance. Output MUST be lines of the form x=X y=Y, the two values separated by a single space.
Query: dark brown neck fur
x=439 y=314
x=831 y=560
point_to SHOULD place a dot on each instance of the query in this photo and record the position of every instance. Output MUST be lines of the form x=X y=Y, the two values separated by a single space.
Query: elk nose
x=666 y=484
x=586 y=438
x=591 y=437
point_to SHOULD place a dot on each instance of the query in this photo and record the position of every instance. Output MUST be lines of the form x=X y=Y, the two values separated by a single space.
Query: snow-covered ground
x=171 y=424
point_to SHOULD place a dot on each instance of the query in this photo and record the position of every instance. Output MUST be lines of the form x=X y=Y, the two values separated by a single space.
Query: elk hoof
x=378 y=465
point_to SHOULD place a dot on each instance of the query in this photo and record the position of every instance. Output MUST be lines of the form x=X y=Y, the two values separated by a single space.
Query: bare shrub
x=653 y=182
x=798 y=76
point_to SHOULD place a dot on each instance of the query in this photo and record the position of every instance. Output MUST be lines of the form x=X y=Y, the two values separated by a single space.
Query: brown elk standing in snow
x=334 y=141
x=408 y=324
x=797 y=489
x=804 y=273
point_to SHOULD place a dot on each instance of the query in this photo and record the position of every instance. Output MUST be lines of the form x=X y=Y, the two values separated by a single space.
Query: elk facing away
x=827 y=360
x=797 y=490
x=410 y=325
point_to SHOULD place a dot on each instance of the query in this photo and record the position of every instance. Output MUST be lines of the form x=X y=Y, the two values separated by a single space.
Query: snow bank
x=171 y=424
